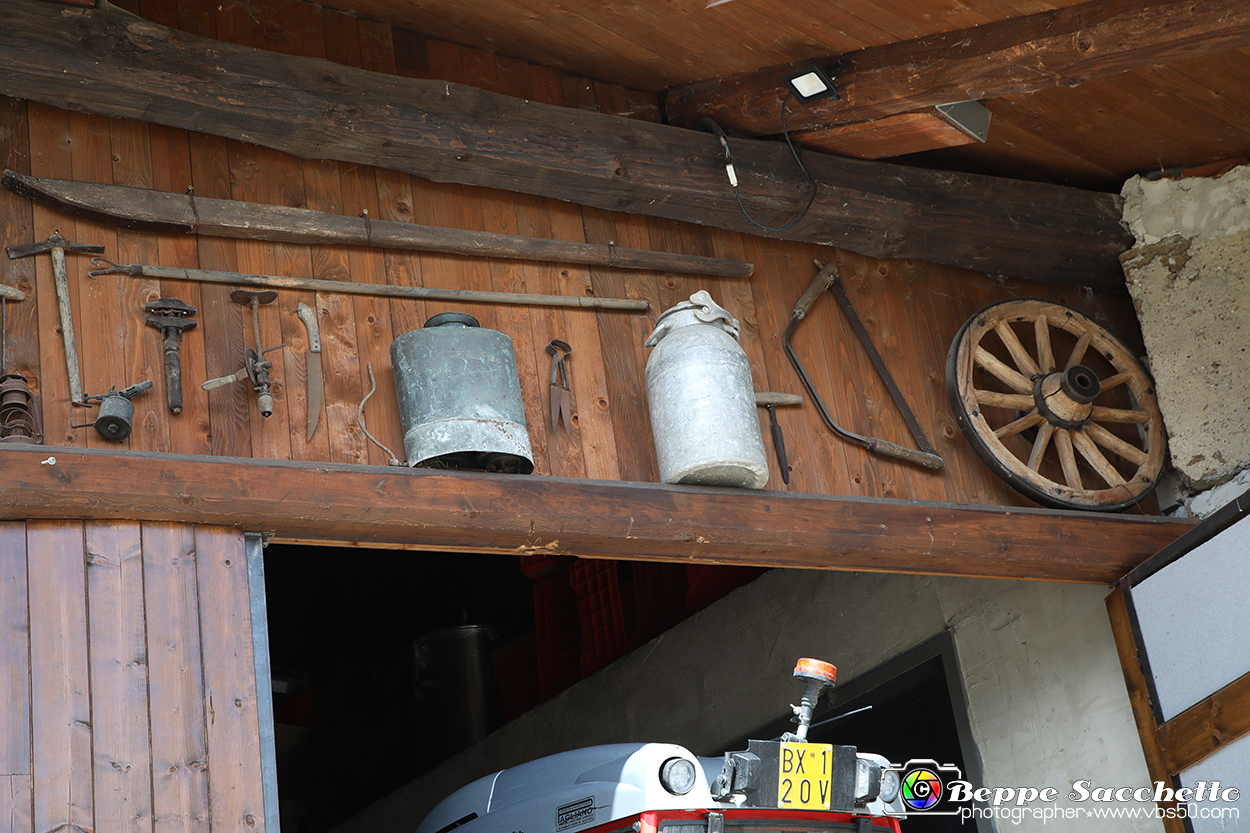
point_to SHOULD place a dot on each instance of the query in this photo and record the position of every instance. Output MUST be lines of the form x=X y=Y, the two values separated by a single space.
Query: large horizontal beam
x=437 y=510
x=1057 y=48
x=108 y=62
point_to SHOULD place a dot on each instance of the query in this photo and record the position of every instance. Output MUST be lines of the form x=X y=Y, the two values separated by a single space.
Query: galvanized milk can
x=703 y=415
x=459 y=397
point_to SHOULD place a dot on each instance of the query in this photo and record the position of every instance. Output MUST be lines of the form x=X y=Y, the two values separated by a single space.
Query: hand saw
x=827 y=278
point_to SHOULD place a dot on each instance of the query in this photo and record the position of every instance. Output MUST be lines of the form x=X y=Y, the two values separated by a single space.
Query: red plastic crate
x=603 y=627
x=659 y=598
x=557 y=633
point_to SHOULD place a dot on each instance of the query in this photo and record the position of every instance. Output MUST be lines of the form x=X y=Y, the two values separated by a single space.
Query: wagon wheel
x=1056 y=405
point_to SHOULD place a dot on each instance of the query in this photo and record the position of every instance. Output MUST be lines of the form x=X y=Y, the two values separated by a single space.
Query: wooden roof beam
x=111 y=63
x=1058 y=48
x=426 y=509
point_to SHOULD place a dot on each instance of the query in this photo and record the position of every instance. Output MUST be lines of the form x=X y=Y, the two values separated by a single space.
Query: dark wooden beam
x=437 y=510
x=108 y=62
x=1058 y=48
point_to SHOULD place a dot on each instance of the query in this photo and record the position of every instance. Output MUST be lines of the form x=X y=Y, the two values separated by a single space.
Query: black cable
x=712 y=127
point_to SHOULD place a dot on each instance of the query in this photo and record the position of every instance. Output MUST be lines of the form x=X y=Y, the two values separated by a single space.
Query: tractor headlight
x=677 y=775
x=867 y=780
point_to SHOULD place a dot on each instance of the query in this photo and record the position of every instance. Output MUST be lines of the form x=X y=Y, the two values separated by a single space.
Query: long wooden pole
x=349 y=288
x=145 y=209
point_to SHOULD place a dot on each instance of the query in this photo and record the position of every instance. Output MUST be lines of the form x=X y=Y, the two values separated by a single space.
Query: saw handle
x=823 y=280
x=889 y=449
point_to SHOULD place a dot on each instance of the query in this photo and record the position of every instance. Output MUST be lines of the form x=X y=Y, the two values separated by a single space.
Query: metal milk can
x=459 y=397
x=702 y=401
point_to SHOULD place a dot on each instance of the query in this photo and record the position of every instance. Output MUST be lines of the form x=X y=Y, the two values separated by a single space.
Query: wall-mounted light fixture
x=811 y=83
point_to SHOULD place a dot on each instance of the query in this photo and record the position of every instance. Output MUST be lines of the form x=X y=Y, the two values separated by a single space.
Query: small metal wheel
x=1056 y=405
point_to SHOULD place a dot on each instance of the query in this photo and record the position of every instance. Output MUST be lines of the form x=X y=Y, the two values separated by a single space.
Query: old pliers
x=561 y=398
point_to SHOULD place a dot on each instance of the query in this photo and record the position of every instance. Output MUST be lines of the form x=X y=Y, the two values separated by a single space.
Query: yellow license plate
x=804 y=779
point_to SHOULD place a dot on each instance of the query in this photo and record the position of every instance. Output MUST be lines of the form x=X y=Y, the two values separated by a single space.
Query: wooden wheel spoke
x=1018 y=354
x=1114 y=444
x=1116 y=380
x=1010 y=377
x=1078 y=352
x=1011 y=401
x=1040 y=445
x=1096 y=460
x=1103 y=414
x=1045 y=353
x=1067 y=459
x=1022 y=424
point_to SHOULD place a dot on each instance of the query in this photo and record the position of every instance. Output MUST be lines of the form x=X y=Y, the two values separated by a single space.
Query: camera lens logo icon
x=922 y=789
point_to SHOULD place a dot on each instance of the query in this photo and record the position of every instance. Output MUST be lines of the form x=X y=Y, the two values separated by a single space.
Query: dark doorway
x=351 y=723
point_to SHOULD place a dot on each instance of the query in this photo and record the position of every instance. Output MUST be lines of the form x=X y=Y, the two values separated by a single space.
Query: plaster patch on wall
x=1202 y=208
x=1189 y=278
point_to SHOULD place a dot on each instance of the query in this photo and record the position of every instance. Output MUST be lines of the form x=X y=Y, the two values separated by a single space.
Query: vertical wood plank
x=49 y=156
x=16 y=221
x=98 y=319
x=61 y=709
x=499 y=215
x=142 y=354
x=176 y=701
x=15 y=801
x=15 y=780
x=560 y=448
x=369 y=329
x=341 y=361
x=121 y=746
x=235 y=793
x=221 y=320
x=587 y=370
x=189 y=431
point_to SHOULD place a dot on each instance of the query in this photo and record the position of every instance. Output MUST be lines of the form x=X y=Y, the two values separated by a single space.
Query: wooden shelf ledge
x=423 y=509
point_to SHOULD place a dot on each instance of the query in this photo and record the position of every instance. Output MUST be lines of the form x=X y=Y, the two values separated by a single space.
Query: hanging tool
x=312 y=360
x=771 y=400
x=150 y=210
x=7 y=293
x=171 y=317
x=561 y=397
x=17 y=414
x=58 y=246
x=117 y=412
x=254 y=368
x=827 y=278
x=349 y=288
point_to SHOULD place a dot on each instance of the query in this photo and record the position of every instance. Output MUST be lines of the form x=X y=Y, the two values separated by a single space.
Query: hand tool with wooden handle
x=58 y=246
x=827 y=278
x=7 y=293
x=312 y=359
x=770 y=400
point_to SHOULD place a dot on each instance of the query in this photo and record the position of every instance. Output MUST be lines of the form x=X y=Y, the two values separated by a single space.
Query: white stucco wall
x=1047 y=699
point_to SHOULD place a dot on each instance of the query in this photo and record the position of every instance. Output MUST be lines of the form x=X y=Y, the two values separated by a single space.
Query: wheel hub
x=1066 y=398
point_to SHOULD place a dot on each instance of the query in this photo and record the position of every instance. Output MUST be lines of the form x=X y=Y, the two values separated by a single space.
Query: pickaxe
x=58 y=246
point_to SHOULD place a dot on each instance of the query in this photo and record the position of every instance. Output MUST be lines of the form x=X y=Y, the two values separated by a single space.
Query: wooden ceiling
x=1095 y=134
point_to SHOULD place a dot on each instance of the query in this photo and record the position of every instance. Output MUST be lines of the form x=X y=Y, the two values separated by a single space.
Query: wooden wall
x=912 y=308
x=127 y=679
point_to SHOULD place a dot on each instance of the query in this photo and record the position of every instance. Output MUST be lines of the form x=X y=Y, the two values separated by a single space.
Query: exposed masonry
x=1189 y=276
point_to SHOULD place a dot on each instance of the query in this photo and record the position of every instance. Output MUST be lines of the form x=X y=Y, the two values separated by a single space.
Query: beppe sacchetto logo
x=923 y=786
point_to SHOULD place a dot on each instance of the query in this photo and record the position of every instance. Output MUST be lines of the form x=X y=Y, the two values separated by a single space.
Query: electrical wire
x=733 y=176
